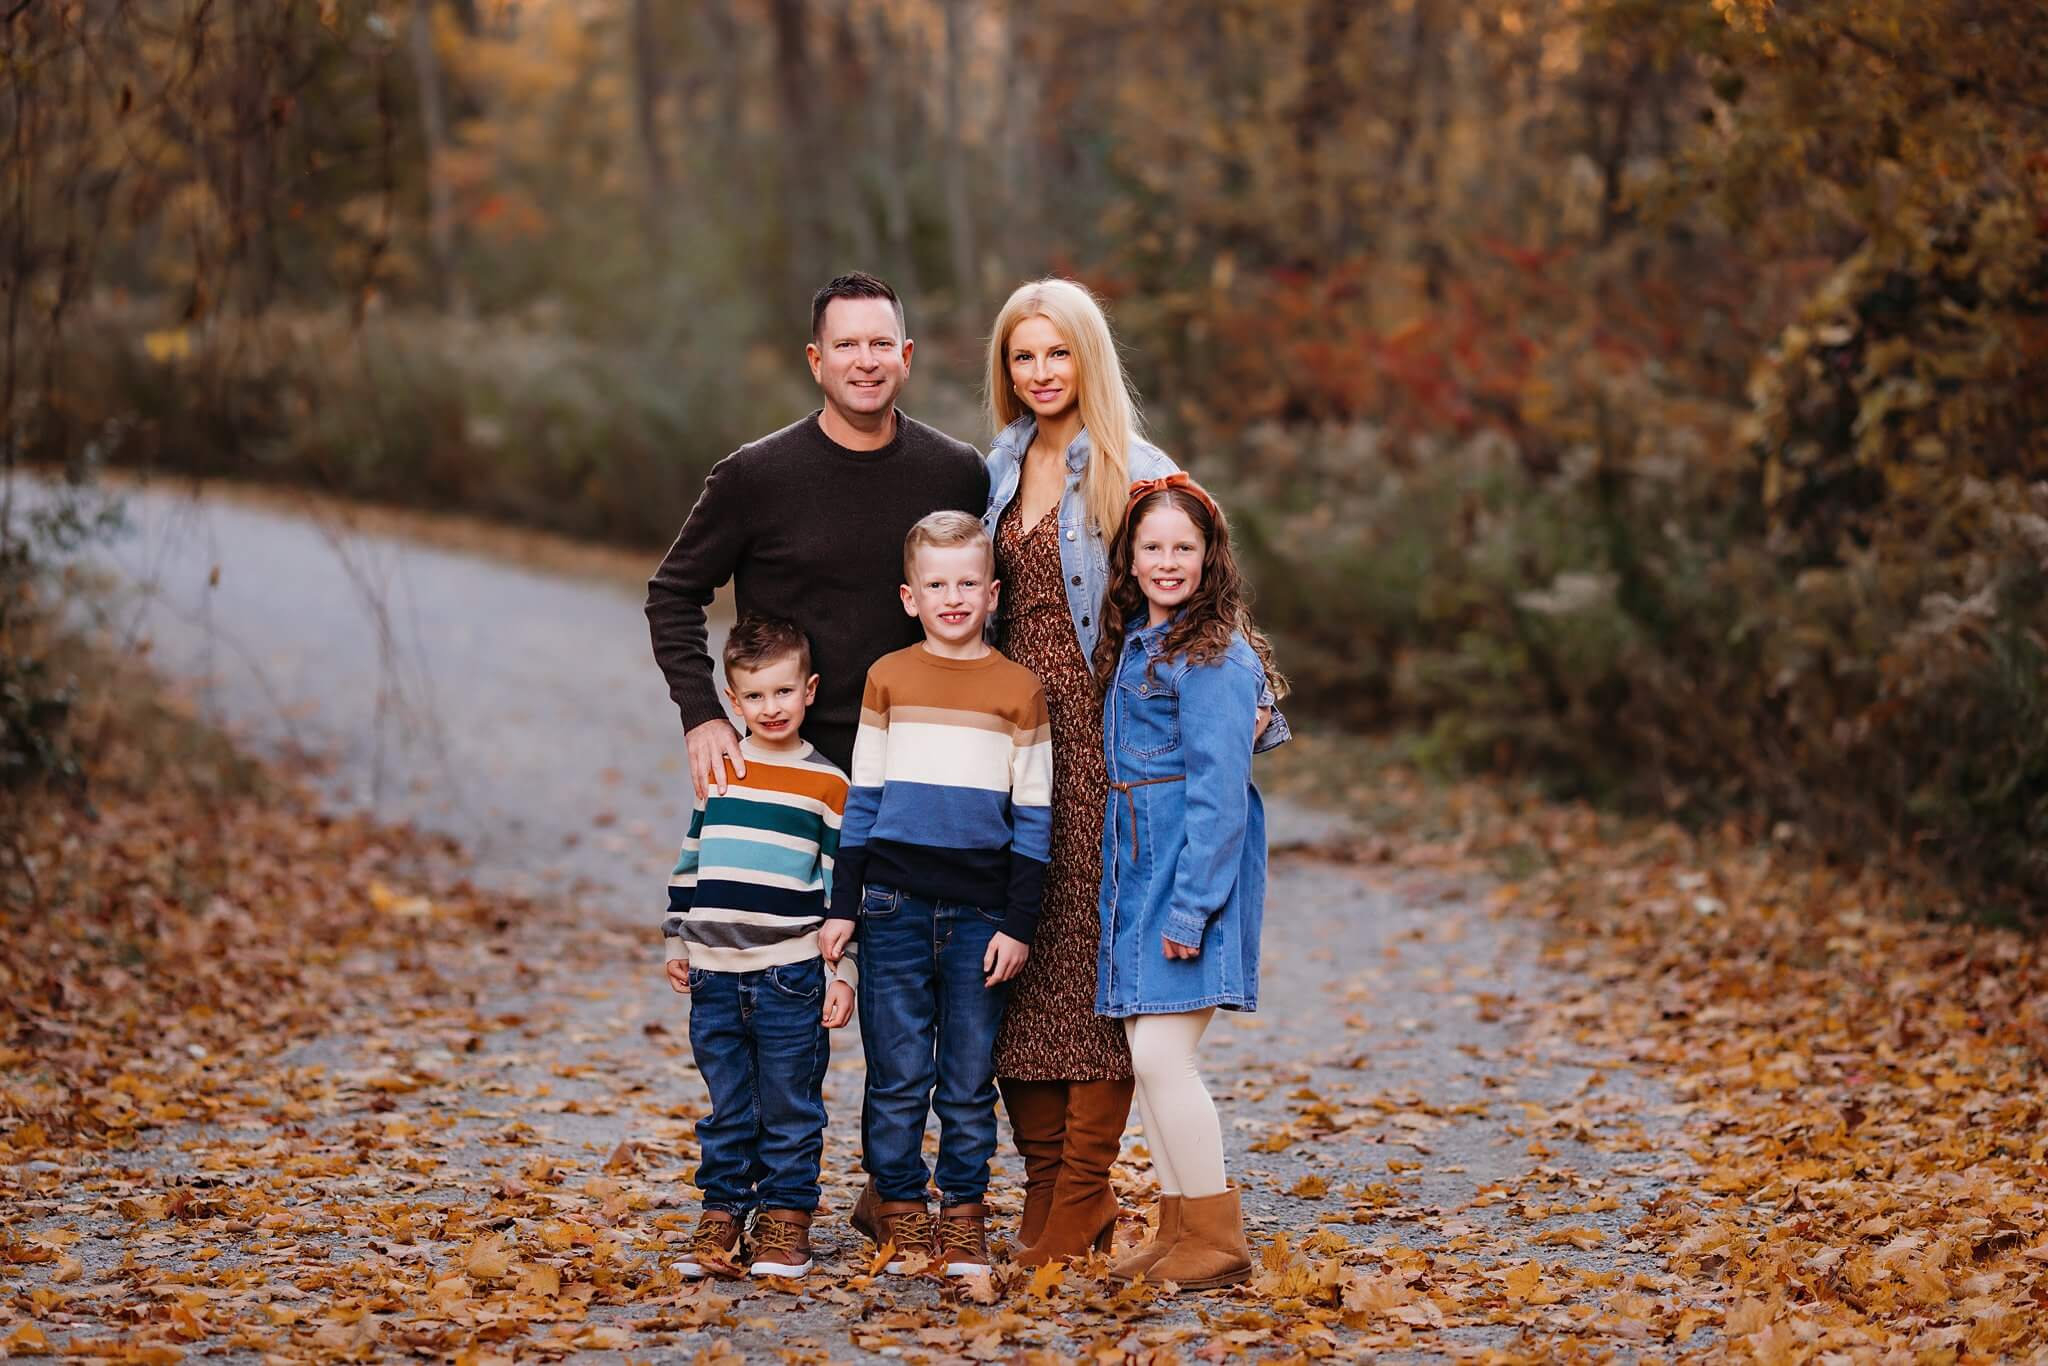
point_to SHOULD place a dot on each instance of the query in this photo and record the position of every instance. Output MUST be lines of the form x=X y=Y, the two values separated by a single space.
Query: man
x=808 y=524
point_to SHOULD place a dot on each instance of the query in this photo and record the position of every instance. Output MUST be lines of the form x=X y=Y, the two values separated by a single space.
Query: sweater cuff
x=847 y=971
x=698 y=706
x=1021 y=924
x=1186 y=928
x=674 y=950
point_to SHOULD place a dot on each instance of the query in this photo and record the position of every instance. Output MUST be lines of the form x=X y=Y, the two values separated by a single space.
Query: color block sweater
x=754 y=878
x=952 y=787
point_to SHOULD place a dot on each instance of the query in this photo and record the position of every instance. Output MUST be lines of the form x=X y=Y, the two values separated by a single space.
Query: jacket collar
x=1015 y=439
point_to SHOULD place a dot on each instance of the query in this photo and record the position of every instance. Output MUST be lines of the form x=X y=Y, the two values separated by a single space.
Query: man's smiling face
x=860 y=359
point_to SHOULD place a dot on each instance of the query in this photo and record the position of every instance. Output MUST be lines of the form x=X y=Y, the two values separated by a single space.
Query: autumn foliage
x=1644 y=395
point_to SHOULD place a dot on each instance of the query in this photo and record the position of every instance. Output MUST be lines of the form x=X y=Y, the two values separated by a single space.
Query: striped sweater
x=754 y=878
x=952 y=787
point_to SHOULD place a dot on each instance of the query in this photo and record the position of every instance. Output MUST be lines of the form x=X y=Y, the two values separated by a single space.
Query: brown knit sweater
x=806 y=529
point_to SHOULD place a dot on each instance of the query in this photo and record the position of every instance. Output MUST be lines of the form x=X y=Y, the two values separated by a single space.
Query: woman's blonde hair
x=1108 y=409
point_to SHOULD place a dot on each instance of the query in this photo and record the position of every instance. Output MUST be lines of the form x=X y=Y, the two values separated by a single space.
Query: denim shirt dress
x=1184 y=839
x=1084 y=550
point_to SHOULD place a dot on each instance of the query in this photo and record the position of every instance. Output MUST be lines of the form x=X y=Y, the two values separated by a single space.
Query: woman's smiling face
x=1166 y=559
x=1042 y=368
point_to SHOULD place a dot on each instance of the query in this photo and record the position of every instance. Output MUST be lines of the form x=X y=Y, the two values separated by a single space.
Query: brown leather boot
x=1211 y=1250
x=717 y=1247
x=1165 y=1233
x=1038 y=1126
x=963 y=1240
x=906 y=1223
x=1084 y=1208
x=782 y=1243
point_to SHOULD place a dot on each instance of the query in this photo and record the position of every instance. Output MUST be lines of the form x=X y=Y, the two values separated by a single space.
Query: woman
x=1068 y=447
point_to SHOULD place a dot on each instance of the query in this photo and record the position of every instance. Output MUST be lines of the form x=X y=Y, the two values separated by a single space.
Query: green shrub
x=522 y=425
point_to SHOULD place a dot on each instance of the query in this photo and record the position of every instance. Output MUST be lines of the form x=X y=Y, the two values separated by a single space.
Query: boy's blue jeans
x=760 y=1042
x=929 y=1028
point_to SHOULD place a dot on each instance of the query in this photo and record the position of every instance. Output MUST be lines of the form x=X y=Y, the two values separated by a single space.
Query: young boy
x=745 y=903
x=941 y=865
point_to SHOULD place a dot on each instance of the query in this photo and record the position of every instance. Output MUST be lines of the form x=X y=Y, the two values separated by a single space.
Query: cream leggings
x=1181 y=1127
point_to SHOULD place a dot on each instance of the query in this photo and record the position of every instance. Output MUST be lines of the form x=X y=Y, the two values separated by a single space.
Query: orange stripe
x=798 y=782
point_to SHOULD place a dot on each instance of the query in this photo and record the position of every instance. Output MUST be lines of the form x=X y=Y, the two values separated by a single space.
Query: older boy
x=745 y=903
x=942 y=860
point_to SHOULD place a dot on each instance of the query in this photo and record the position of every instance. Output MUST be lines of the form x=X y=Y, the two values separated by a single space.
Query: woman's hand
x=1174 y=950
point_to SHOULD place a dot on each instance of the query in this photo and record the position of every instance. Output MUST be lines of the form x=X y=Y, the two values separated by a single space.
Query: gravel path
x=1404 y=1106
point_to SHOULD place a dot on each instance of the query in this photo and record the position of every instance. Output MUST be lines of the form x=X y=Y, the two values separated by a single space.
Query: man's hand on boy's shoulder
x=715 y=756
x=678 y=974
x=833 y=937
x=1004 y=959
x=838 y=1004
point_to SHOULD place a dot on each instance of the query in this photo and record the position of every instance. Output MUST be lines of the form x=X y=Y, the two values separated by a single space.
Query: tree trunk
x=959 y=207
x=649 y=65
x=891 y=156
x=793 y=88
x=433 y=123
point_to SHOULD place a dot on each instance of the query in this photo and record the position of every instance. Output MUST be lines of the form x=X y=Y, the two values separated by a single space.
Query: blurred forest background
x=1647 y=395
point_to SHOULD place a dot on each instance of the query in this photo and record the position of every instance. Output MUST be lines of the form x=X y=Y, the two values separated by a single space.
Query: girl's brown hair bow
x=1144 y=488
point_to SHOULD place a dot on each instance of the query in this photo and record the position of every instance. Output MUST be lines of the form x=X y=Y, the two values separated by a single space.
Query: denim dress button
x=1077 y=580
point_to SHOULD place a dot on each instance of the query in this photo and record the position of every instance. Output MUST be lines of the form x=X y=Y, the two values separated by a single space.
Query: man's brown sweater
x=808 y=530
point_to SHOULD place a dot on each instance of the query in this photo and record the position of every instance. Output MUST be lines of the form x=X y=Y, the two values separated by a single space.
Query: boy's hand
x=679 y=974
x=838 y=1004
x=1004 y=959
x=833 y=937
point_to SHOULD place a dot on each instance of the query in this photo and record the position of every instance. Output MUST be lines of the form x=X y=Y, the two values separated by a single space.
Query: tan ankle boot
x=1084 y=1208
x=1038 y=1126
x=1211 y=1251
x=1165 y=1233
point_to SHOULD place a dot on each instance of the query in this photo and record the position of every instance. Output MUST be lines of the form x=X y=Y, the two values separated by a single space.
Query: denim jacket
x=1084 y=552
x=1184 y=839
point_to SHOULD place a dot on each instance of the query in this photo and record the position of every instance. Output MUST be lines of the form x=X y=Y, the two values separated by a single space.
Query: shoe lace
x=774 y=1236
x=914 y=1230
x=963 y=1236
x=714 y=1238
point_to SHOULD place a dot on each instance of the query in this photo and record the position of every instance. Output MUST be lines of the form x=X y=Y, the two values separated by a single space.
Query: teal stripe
x=783 y=820
x=751 y=856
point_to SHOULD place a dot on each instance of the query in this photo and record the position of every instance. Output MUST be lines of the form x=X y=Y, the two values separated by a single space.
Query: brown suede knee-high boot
x=1038 y=1123
x=1084 y=1208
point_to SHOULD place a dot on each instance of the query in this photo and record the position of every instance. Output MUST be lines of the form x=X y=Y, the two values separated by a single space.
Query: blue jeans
x=929 y=1028
x=760 y=1042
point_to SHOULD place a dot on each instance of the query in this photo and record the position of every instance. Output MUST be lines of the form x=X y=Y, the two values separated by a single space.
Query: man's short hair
x=757 y=642
x=857 y=285
x=944 y=530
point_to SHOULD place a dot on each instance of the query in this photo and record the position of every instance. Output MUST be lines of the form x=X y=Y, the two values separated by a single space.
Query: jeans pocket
x=877 y=902
x=698 y=976
x=799 y=981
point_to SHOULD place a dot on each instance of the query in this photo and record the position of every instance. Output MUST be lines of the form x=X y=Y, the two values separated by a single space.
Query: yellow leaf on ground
x=488 y=1257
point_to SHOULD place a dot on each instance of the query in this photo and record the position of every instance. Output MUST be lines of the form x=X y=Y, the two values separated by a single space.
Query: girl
x=1181 y=669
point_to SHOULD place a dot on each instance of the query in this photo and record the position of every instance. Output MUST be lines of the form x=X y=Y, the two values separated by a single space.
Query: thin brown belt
x=1132 y=802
